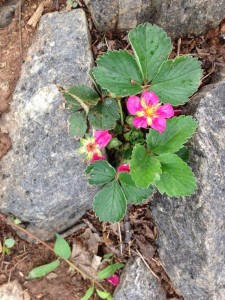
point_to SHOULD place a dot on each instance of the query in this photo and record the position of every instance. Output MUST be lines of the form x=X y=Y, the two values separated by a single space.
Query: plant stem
x=121 y=111
x=83 y=273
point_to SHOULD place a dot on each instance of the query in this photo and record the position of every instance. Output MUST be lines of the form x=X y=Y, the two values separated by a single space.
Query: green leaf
x=109 y=270
x=183 y=153
x=118 y=72
x=109 y=203
x=151 y=47
x=133 y=194
x=145 y=168
x=103 y=295
x=43 y=270
x=88 y=294
x=100 y=172
x=77 y=124
x=177 y=80
x=178 y=131
x=71 y=103
x=81 y=94
x=177 y=178
x=108 y=255
x=9 y=243
x=105 y=114
x=62 y=248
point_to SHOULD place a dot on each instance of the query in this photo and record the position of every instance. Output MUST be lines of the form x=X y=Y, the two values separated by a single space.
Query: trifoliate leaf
x=43 y=270
x=177 y=178
x=105 y=114
x=109 y=270
x=77 y=124
x=145 y=168
x=133 y=194
x=183 y=153
x=178 y=131
x=151 y=47
x=110 y=203
x=118 y=72
x=177 y=80
x=100 y=172
x=61 y=247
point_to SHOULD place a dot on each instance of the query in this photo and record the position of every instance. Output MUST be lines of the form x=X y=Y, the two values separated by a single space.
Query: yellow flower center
x=149 y=112
x=91 y=147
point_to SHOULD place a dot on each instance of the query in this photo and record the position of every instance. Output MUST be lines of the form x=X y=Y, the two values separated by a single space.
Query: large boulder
x=138 y=283
x=177 y=17
x=192 y=230
x=43 y=181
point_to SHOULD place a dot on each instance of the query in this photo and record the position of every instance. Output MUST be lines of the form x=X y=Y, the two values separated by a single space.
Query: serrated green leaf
x=43 y=270
x=118 y=72
x=100 y=172
x=133 y=194
x=177 y=80
x=151 y=47
x=178 y=131
x=105 y=114
x=88 y=294
x=9 y=242
x=61 y=247
x=183 y=153
x=109 y=270
x=77 y=124
x=71 y=103
x=145 y=168
x=109 y=203
x=177 y=178
x=82 y=93
x=103 y=295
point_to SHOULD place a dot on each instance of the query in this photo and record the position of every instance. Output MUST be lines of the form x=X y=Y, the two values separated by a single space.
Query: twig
x=20 y=32
x=213 y=69
x=144 y=261
x=10 y=271
x=120 y=237
x=128 y=233
x=178 y=46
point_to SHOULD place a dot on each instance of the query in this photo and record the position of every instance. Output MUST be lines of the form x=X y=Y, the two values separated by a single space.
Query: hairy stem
x=121 y=111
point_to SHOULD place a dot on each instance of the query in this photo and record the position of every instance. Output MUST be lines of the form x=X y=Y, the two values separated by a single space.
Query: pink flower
x=123 y=168
x=149 y=111
x=97 y=157
x=114 y=279
x=102 y=138
x=91 y=145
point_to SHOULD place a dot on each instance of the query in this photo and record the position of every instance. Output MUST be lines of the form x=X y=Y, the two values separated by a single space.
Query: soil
x=63 y=283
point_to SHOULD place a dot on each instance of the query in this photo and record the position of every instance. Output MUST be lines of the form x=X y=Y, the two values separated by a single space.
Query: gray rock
x=192 y=230
x=43 y=181
x=138 y=283
x=176 y=17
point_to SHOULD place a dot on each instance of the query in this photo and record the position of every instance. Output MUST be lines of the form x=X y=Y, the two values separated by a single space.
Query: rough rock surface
x=13 y=291
x=192 y=230
x=177 y=17
x=138 y=283
x=43 y=181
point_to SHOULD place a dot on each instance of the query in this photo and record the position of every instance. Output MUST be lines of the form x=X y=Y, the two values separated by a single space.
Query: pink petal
x=134 y=105
x=140 y=122
x=114 y=279
x=159 y=124
x=102 y=138
x=165 y=111
x=123 y=168
x=150 y=97
x=97 y=157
